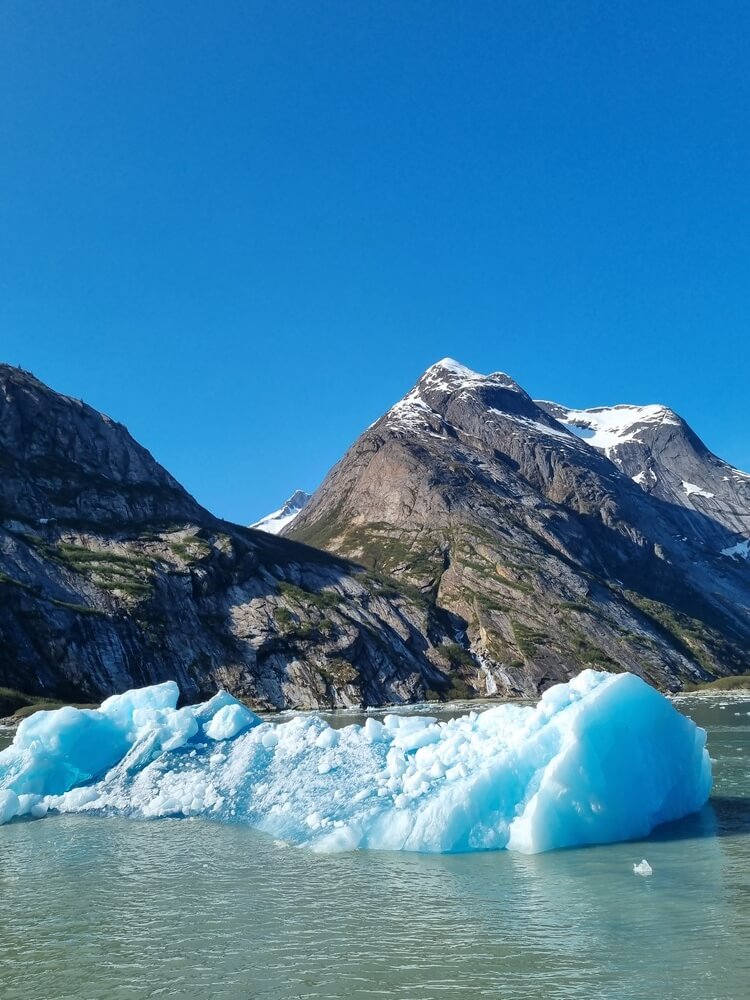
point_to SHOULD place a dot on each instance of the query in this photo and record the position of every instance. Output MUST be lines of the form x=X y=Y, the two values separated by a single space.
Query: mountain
x=540 y=543
x=656 y=448
x=279 y=519
x=113 y=576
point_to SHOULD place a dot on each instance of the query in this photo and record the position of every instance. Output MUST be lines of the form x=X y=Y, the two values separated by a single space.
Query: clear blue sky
x=244 y=229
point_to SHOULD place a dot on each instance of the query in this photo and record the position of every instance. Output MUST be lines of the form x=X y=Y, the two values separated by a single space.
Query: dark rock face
x=111 y=576
x=61 y=458
x=543 y=548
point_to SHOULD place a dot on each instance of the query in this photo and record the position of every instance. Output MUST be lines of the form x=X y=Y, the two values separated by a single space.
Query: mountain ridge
x=469 y=543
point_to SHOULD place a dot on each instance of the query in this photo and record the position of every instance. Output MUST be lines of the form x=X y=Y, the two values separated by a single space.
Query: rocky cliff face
x=541 y=545
x=111 y=575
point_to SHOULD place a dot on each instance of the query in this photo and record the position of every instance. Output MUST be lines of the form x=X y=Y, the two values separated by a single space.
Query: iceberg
x=602 y=758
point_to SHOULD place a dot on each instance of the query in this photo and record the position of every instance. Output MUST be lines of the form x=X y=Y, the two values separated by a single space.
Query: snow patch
x=607 y=427
x=602 y=758
x=410 y=412
x=741 y=550
x=692 y=490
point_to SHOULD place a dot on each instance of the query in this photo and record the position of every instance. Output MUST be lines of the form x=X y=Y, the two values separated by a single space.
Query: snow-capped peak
x=455 y=375
x=451 y=365
x=423 y=408
x=278 y=519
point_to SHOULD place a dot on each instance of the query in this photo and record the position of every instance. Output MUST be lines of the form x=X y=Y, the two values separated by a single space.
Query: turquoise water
x=112 y=908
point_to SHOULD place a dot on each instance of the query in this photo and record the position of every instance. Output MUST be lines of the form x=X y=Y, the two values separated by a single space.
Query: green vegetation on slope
x=20 y=705
x=741 y=682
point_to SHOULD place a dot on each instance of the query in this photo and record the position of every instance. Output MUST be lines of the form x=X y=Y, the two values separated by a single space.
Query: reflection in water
x=732 y=815
x=95 y=908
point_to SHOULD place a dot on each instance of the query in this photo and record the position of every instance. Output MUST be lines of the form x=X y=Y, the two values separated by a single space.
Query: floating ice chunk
x=642 y=868
x=54 y=751
x=269 y=738
x=414 y=739
x=137 y=706
x=602 y=758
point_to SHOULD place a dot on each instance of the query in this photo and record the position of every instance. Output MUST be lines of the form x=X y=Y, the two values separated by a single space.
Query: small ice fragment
x=229 y=721
x=374 y=730
x=328 y=738
x=642 y=868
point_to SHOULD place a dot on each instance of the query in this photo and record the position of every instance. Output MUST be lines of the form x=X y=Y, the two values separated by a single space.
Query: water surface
x=96 y=908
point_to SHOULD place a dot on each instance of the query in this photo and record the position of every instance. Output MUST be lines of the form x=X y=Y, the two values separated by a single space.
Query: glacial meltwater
x=105 y=907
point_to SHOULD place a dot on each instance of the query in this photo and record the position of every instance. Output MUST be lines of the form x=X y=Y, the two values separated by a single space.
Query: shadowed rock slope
x=549 y=554
x=111 y=575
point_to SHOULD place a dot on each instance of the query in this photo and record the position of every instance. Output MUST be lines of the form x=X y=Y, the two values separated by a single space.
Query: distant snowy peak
x=470 y=491
x=273 y=523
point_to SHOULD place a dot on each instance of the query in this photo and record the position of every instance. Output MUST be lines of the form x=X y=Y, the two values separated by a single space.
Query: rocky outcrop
x=111 y=576
x=547 y=553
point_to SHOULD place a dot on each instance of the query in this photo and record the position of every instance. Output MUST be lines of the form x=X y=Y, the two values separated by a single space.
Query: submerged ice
x=604 y=757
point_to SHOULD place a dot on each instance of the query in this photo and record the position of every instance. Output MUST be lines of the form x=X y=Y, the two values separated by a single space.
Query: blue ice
x=602 y=758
